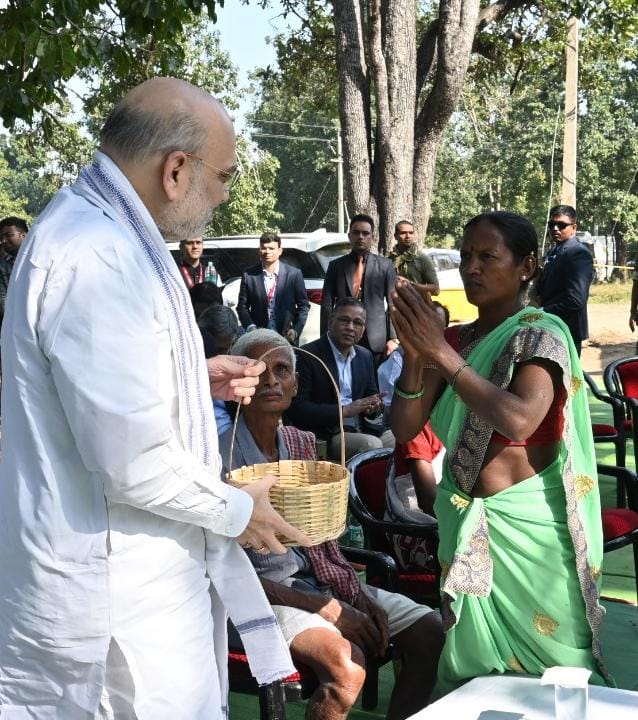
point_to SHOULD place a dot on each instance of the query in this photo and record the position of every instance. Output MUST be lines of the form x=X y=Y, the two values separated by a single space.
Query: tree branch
x=426 y=55
x=498 y=10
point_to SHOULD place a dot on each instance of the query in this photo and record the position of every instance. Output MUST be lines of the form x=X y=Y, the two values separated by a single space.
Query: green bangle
x=459 y=370
x=408 y=395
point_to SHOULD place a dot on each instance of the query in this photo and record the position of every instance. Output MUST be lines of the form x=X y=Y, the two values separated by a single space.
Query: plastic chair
x=620 y=525
x=301 y=685
x=368 y=472
x=621 y=383
x=615 y=434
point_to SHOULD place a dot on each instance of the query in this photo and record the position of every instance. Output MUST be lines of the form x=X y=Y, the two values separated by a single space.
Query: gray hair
x=263 y=336
x=135 y=134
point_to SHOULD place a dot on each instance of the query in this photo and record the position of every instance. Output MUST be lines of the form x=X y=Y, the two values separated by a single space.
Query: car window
x=445 y=263
x=331 y=252
x=306 y=262
x=444 y=260
x=232 y=262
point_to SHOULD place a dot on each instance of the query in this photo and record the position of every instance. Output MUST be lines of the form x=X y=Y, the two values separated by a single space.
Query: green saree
x=520 y=569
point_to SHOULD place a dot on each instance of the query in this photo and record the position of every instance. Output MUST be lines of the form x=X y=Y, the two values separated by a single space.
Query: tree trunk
x=354 y=104
x=456 y=30
x=393 y=62
x=397 y=182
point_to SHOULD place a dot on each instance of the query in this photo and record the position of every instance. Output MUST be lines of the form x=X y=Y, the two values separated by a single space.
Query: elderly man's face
x=277 y=384
x=211 y=176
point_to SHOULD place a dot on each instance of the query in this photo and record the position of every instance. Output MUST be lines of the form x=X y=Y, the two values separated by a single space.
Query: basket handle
x=342 y=435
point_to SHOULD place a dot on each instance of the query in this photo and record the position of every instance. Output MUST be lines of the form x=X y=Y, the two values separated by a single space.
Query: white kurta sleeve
x=101 y=328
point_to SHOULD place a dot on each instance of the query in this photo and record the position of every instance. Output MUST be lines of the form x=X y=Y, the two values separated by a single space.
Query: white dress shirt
x=102 y=509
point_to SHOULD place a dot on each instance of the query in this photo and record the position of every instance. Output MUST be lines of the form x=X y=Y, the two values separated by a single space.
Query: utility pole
x=570 y=137
x=340 y=204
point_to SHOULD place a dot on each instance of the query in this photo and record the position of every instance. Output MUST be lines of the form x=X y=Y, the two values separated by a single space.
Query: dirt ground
x=609 y=336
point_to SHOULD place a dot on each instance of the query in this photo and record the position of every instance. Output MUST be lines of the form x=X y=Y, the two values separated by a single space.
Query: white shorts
x=402 y=612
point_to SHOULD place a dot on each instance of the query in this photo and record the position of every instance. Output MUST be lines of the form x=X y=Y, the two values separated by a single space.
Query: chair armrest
x=628 y=478
x=378 y=564
x=598 y=394
x=369 y=522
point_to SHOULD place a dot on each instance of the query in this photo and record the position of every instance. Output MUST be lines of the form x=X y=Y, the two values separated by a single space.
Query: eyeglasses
x=228 y=177
x=557 y=224
x=343 y=320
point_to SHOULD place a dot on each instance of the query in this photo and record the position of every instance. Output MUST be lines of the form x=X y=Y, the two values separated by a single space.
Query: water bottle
x=211 y=273
x=354 y=534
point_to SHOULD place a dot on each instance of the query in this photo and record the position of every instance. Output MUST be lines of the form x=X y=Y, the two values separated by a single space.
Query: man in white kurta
x=104 y=493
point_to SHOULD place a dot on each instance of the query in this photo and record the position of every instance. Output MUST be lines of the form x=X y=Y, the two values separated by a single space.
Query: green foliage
x=47 y=42
x=502 y=139
x=10 y=204
x=42 y=158
x=39 y=164
x=202 y=63
x=251 y=208
x=299 y=100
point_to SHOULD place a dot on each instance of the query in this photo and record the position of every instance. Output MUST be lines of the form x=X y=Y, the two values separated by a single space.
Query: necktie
x=357 y=277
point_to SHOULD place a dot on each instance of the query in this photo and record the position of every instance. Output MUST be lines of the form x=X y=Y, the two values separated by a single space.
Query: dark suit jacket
x=315 y=407
x=291 y=300
x=563 y=285
x=378 y=282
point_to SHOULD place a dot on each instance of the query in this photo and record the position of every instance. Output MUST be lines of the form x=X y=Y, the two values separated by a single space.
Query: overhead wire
x=312 y=212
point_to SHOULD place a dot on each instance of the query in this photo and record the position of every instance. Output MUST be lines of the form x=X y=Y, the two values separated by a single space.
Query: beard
x=191 y=216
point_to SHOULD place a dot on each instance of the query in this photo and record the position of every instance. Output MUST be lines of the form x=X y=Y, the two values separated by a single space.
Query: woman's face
x=491 y=275
x=277 y=384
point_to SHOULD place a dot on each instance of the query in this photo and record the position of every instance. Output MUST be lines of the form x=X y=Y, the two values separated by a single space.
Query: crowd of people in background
x=112 y=446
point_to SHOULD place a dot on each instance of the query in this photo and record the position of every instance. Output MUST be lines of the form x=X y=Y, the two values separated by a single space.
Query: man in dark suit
x=273 y=294
x=317 y=409
x=368 y=277
x=563 y=285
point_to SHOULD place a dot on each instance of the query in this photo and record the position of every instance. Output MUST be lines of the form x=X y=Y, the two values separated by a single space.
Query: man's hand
x=378 y=616
x=265 y=522
x=291 y=336
x=234 y=377
x=633 y=319
x=390 y=347
x=368 y=405
x=428 y=289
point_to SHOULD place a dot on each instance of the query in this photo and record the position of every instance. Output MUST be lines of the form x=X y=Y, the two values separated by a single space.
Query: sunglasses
x=559 y=225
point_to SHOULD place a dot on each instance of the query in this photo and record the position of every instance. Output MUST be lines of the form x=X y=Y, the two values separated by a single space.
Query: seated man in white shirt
x=316 y=408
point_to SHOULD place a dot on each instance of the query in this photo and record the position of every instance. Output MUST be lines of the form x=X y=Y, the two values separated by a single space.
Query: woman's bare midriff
x=505 y=466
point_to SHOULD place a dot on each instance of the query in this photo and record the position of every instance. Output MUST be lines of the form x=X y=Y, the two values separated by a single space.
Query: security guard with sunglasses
x=563 y=285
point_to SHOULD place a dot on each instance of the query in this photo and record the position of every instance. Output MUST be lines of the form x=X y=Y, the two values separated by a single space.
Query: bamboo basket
x=312 y=495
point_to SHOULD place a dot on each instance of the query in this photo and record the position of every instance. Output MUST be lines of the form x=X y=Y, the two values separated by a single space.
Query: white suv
x=310 y=252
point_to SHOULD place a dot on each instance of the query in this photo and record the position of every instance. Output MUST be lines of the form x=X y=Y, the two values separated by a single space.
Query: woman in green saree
x=518 y=506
